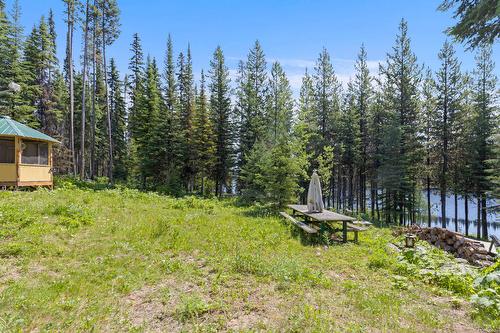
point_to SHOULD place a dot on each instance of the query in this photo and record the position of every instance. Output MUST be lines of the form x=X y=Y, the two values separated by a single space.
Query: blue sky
x=292 y=32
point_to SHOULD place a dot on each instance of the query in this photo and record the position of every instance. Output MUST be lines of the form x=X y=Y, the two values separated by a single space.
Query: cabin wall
x=33 y=174
x=8 y=172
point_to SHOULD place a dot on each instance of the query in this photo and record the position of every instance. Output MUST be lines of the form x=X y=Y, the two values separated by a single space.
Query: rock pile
x=472 y=251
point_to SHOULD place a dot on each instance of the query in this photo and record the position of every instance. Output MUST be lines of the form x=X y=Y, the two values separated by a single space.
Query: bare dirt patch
x=234 y=304
x=8 y=272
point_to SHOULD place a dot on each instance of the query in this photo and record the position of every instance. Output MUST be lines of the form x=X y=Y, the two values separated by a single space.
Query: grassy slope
x=75 y=260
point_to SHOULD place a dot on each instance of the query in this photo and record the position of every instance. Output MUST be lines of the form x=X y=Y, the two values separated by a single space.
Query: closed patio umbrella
x=314 y=195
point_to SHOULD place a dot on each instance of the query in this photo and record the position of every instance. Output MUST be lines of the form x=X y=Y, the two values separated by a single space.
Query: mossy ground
x=120 y=260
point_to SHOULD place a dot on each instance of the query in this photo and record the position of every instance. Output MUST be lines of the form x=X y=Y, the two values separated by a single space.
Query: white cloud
x=295 y=68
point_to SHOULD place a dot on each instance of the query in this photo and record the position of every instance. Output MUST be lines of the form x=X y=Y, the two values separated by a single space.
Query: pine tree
x=279 y=103
x=251 y=96
x=222 y=119
x=52 y=48
x=84 y=89
x=186 y=117
x=494 y=170
x=427 y=123
x=275 y=164
x=147 y=118
x=402 y=156
x=486 y=121
x=305 y=129
x=465 y=152
x=327 y=95
x=5 y=50
x=136 y=67
x=203 y=137
x=169 y=124
x=68 y=66
x=351 y=141
x=448 y=84
x=362 y=91
x=110 y=15
x=118 y=123
x=18 y=106
x=376 y=124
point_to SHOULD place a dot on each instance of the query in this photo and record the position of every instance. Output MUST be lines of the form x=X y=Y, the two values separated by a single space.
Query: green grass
x=76 y=259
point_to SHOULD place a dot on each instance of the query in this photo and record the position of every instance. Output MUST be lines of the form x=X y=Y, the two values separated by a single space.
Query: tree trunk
x=372 y=199
x=71 y=14
x=108 y=111
x=94 y=91
x=466 y=206
x=484 y=217
x=429 y=214
x=443 y=206
x=84 y=80
x=456 y=211
x=478 y=216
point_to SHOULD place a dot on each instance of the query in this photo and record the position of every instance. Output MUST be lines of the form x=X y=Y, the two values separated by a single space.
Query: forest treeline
x=377 y=142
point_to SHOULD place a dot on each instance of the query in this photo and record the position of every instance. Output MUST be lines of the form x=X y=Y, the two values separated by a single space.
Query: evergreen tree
x=169 y=124
x=136 y=67
x=305 y=130
x=110 y=14
x=18 y=106
x=251 y=97
x=203 y=137
x=376 y=124
x=84 y=89
x=146 y=120
x=275 y=164
x=5 y=47
x=402 y=156
x=279 y=103
x=351 y=142
x=465 y=153
x=362 y=91
x=118 y=123
x=427 y=124
x=448 y=85
x=70 y=11
x=327 y=95
x=478 y=21
x=485 y=98
x=186 y=117
x=222 y=119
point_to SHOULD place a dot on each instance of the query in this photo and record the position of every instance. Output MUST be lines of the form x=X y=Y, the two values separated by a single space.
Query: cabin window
x=7 y=151
x=35 y=153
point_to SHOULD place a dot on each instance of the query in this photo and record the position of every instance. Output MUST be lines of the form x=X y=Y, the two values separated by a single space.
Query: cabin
x=25 y=155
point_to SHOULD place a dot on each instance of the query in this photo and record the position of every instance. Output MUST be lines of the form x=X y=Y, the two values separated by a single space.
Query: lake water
x=493 y=219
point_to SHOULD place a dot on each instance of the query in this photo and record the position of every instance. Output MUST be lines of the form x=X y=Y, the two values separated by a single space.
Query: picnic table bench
x=312 y=219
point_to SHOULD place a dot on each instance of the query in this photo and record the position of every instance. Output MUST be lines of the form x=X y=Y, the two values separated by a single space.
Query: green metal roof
x=14 y=128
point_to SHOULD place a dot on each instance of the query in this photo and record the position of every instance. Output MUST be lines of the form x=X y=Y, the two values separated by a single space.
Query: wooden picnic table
x=324 y=217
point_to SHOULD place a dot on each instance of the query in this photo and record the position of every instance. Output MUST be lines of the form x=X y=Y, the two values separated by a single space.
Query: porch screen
x=35 y=153
x=7 y=151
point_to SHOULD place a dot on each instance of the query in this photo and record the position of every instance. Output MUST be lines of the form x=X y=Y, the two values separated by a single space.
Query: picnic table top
x=324 y=216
